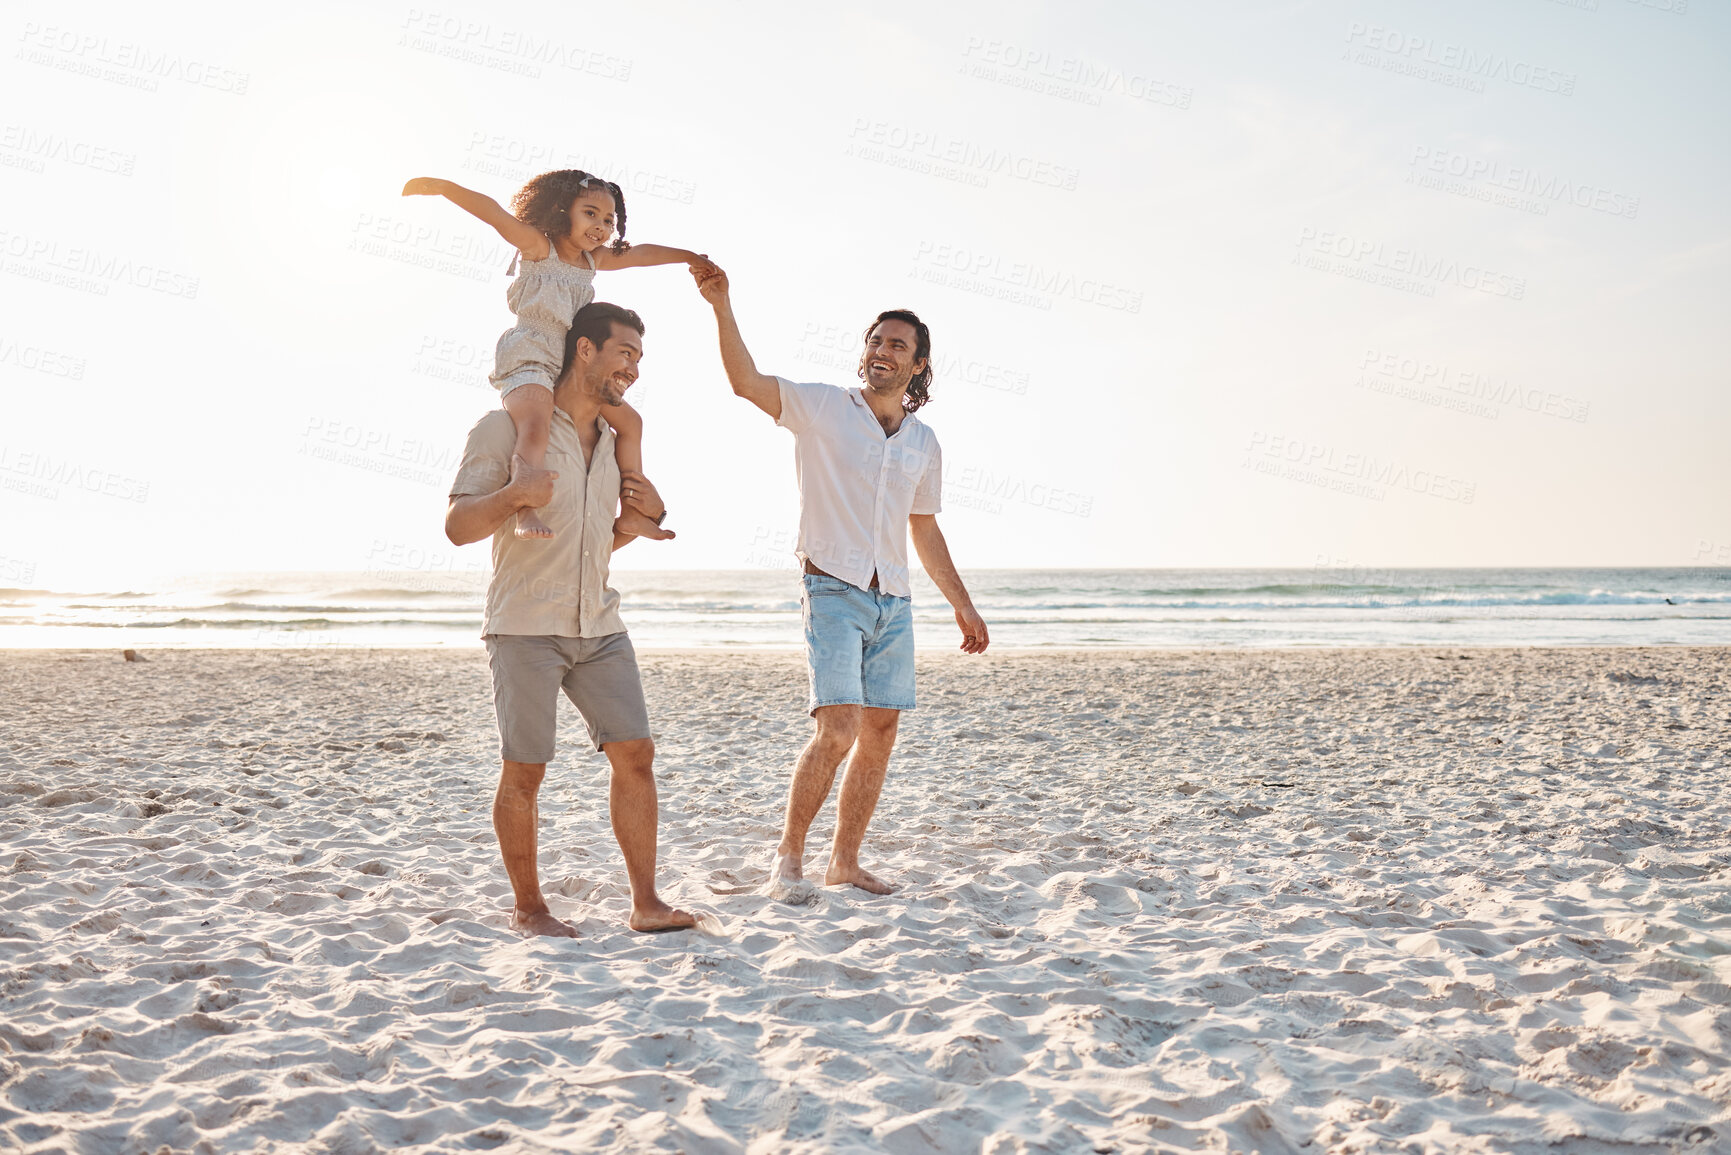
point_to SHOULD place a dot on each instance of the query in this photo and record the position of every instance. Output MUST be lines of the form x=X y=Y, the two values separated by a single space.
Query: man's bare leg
x=514 y=817
x=635 y=810
x=813 y=775
x=859 y=799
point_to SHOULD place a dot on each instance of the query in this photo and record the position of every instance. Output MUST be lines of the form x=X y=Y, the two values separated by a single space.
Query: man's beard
x=608 y=391
x=887 y=385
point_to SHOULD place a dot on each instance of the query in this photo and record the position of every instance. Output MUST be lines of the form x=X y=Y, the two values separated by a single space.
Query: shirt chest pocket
x=568 y=489
x=905 y=466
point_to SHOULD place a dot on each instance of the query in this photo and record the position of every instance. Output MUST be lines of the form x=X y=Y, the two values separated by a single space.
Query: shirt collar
x=560 y=414
x=858 y=395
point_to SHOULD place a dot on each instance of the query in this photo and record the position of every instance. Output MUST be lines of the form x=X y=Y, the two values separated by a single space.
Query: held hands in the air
x=711 y=282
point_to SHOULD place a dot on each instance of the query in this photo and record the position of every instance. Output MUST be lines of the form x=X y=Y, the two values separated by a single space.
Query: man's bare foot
x=640 y=524
x=856 y=876
x=542 y=923
x=530 y=525
x=657 y=917
x=787 y=881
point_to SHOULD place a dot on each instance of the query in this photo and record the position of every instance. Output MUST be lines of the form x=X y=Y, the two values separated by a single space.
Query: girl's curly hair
x=545 y=202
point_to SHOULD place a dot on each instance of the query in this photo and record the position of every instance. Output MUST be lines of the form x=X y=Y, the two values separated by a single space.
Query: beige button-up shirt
x=857 y=487
x=556 y=587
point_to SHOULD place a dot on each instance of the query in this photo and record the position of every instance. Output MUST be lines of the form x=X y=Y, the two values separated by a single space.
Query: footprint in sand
x=795 y=892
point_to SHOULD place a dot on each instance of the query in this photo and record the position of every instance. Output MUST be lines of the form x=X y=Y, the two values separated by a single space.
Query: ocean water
x=1036 y=609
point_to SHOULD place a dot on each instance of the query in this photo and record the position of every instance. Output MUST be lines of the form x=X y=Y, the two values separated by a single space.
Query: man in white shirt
x=870 y=473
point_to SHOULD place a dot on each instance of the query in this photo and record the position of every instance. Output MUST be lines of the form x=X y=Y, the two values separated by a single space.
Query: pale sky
x=1384 y=283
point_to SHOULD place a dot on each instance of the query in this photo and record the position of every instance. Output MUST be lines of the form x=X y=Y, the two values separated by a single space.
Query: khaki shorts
x=599 y=675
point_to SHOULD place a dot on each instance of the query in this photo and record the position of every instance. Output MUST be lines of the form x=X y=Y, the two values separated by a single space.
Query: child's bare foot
x=640 y=524
x=534 y=487
x=529 y=524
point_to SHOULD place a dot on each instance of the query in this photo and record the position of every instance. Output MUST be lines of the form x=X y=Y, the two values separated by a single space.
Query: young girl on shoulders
x=561 y=224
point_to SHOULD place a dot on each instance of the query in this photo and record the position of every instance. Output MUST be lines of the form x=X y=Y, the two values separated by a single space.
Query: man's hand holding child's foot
x=535 y=489
x=639 y=505
x=632 y=522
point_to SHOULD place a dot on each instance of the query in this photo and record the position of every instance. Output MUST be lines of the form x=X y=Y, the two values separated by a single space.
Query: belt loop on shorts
x=815 y=572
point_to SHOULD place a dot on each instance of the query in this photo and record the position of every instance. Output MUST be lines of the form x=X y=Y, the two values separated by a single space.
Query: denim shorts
x=859 y=645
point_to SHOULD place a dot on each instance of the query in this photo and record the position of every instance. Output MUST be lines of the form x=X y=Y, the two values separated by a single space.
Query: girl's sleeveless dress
x=545 y=296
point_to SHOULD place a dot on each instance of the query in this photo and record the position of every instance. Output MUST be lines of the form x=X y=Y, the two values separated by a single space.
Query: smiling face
x=608 y=372
x=592 y=219
x=887 y=363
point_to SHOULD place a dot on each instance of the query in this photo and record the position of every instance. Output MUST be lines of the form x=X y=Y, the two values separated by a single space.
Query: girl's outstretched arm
x=526 y=239
x=638 y=256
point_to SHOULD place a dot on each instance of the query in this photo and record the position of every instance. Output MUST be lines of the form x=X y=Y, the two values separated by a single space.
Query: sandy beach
x=1342 y=901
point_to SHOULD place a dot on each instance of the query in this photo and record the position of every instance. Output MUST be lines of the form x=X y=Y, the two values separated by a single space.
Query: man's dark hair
x=920 y=386
x=595 y=321
x=545 y=202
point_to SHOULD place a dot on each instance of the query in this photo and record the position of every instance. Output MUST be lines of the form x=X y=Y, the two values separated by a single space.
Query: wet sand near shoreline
x=1333 y=900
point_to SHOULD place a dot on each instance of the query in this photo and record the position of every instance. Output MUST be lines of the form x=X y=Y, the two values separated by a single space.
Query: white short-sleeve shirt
x=858 y=487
